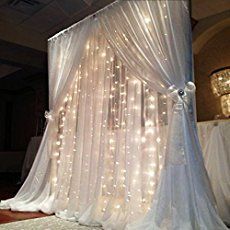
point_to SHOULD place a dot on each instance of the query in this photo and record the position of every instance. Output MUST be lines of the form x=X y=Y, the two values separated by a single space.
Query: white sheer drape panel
x=152 y=38
x=65 y=53
x=34 y=195
x=111 y=142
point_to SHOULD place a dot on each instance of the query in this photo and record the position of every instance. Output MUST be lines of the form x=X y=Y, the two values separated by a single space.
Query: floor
x=45 y=223
x=8 y=188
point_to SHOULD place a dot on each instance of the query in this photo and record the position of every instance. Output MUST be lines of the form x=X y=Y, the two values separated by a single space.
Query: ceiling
x=26 y=24
x=32 y=22
x=29 y=23
x=41 y=16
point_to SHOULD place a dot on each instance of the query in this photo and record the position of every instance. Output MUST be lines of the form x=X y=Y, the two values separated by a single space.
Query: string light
x=125 y=136
x=147 y=20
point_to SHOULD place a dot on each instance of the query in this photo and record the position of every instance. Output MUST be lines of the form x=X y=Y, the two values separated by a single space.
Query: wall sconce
x=220 y=83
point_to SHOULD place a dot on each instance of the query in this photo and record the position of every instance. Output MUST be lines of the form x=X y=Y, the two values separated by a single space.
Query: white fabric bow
x=181 y=96
x=49 y=115
x=182 y=99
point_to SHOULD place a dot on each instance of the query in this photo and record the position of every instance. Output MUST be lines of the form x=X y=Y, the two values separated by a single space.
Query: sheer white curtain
x=107 y=157
x=158 y=33
x=153 y=38
x=114 y=145
x=65 y=53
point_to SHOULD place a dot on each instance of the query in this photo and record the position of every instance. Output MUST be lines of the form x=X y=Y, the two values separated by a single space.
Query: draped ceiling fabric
x=121 y=149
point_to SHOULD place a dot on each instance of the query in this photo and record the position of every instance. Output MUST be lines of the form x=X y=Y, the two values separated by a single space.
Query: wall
x=21 y=112
x=213 y=55
x=23 y=120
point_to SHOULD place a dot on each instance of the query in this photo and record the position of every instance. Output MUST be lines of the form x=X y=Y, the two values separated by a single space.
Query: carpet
x=45 y=223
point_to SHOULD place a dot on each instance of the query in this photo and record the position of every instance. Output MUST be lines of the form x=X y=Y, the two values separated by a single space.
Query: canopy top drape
x=120 y=149
x=153 y=42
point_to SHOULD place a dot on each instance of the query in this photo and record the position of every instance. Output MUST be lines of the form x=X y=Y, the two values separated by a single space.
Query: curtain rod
x=82 y=20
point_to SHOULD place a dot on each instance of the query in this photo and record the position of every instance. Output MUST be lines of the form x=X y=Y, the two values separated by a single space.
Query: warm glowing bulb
x=111 y=140
x=152 y=149
x=158 y=140
x=150 y=131
x=148 y=123
x=152 y=106
x=58 y=143
x=147 y=20
x=152 y=183
x=152 y=98
x=56 y=154
x=151 y=173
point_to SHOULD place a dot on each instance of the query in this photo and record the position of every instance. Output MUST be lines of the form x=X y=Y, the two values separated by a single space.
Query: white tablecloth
x=215 y=141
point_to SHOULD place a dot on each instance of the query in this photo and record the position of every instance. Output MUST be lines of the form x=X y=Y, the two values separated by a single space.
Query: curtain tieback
x=49 y=115
x=182 y=96
x=182 y=100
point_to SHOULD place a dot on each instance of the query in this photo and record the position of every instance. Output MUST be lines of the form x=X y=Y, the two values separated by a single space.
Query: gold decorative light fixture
x=220 y=82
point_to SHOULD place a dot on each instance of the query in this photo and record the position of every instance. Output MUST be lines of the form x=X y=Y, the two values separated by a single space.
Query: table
x=215 y=141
